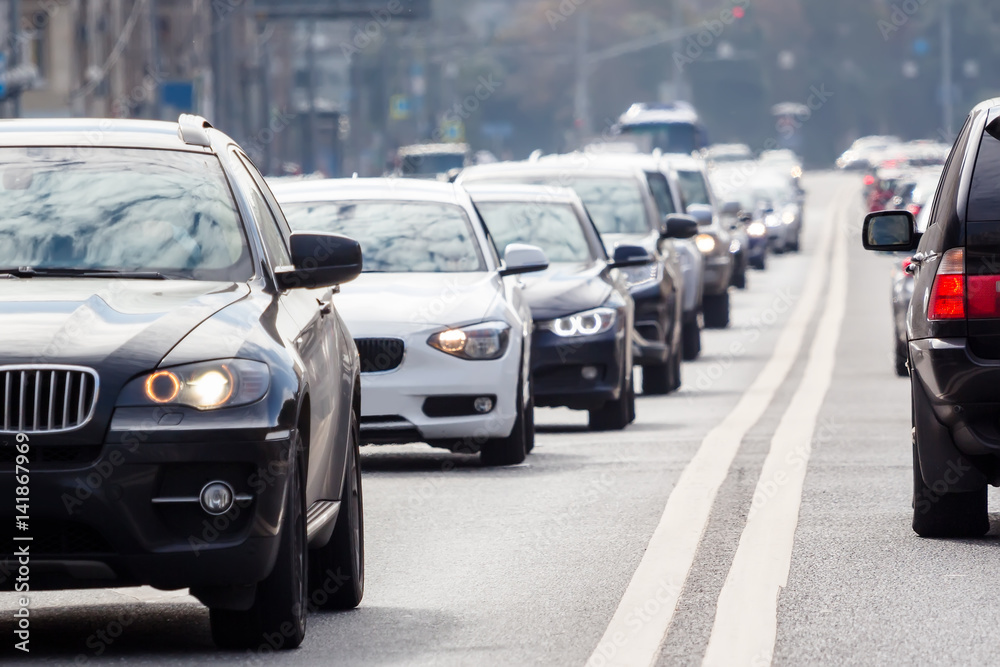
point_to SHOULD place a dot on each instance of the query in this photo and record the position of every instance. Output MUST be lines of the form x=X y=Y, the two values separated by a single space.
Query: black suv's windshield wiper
x=45 y=272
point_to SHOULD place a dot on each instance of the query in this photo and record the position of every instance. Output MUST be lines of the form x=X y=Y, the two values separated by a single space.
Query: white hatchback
x=442 y=330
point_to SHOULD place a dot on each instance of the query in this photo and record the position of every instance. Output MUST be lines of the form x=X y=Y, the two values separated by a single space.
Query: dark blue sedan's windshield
x=119 y=209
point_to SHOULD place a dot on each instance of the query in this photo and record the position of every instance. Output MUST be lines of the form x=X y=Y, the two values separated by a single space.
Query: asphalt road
x=759 y=515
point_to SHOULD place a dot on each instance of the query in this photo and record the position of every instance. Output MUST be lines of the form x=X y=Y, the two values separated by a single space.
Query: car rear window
x=984 y=193
x=396 y=236
x=120 y=209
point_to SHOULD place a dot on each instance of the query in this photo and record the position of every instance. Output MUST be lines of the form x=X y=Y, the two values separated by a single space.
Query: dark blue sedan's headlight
x=206 y=386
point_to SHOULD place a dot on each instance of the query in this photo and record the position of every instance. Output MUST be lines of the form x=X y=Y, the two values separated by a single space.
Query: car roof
x=640 y=114
x=488 y=191
x=389 y=189
x=433 y=149
x=569 y=164
x=95 y=132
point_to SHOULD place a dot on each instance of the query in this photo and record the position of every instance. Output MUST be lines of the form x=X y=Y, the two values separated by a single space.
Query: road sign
x=399 y=107
x=3 y=74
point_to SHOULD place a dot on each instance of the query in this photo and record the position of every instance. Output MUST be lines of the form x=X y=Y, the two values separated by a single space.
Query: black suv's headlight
x=476 y=342
x=206 y=386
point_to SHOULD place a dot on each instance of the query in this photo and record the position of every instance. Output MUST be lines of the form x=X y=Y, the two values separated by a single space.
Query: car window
x=615 y=203
x=984 y=195
x=274 y=242
x=947 y=191
x=552 y=227
x=660 y=190
x=397 y=236
x=693 y=189
x=121 y=209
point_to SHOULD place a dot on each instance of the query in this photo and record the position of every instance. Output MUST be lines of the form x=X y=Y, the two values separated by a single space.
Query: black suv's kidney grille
x=40 y=399
x=379 y=354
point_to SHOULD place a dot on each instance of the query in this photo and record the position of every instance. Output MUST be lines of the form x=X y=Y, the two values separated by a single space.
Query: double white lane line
x=746 y=617
x=637 y=629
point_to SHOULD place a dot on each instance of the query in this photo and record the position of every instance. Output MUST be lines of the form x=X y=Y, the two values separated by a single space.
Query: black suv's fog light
x=216 y=498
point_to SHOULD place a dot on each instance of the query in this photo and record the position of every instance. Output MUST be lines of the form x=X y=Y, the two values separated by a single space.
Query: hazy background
x=304 y=90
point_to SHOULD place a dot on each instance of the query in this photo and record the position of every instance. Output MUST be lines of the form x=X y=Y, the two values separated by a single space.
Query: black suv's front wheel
x=277 y=619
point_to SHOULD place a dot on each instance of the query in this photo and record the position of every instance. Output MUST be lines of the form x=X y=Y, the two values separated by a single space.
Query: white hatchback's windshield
x=119 y=209
x=397 y=236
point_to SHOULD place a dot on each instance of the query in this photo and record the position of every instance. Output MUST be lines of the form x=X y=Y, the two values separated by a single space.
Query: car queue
x=254 y=336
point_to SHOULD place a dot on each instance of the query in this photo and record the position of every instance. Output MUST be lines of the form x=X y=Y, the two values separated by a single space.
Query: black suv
x=179 y=396
x=953 y=331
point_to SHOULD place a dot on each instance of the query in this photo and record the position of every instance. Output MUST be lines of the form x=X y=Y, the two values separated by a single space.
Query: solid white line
x=639 y=624
x=746 y=616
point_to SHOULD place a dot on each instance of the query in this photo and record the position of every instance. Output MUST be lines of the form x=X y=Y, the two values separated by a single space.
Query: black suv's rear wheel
x=277 y=619
x=937 y=511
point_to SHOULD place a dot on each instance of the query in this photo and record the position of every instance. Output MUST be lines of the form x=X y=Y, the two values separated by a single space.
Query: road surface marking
x=746 y=622
x=637 y=629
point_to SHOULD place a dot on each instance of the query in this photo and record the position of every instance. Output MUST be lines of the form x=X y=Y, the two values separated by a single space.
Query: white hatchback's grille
x=46 y=398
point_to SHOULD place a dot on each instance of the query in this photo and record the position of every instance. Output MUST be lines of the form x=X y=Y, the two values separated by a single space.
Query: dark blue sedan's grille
x=379 y=354
x=40 y=399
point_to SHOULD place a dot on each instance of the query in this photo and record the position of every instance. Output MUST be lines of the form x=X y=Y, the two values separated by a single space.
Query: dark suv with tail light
x=179 y=398
x=953 y=331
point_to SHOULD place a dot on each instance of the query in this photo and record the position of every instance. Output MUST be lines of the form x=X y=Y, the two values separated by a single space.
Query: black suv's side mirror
x=320 y=260
x=890 y=231
x=678 y=227
x=630 y=255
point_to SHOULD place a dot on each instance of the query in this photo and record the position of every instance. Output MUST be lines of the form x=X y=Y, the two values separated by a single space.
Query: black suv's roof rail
x=191 y=129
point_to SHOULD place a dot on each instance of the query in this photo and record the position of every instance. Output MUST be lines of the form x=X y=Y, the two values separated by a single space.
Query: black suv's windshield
x=67 y=210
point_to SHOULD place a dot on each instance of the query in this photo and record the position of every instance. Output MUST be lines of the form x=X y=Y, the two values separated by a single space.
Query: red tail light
x=984 y=297
x=948 y=294
x=907 y=262
x=869 y=180
x=914 y=209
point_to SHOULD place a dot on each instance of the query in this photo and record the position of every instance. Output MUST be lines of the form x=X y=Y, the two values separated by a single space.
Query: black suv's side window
x=984 y=193
x=267 y=221
x=947 y=192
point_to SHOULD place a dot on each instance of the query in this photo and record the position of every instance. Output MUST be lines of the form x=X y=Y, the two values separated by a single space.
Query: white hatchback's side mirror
x=523 y=258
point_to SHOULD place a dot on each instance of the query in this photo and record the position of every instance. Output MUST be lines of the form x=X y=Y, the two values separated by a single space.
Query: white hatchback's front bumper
x=393 y=401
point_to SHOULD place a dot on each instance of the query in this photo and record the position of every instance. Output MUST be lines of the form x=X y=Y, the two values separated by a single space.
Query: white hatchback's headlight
x=642 y=275
x=705 y=243
x=476 y=342
x=205 y=386
x=587 y=323
x=771 y=220
x=756 y=229
x=788 y=217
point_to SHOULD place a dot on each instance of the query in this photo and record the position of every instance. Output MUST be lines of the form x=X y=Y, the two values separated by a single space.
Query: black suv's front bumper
x=96 y=524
